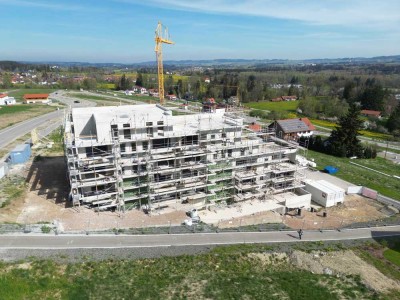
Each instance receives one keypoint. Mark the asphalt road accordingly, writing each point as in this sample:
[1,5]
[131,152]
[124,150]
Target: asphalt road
[9,134]
[12,133]
[42,241]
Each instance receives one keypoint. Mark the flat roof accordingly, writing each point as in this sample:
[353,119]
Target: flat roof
[324,186]
[20,147]
[99,119]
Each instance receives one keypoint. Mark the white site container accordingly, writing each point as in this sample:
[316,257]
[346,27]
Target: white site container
[3,169]
[325,193]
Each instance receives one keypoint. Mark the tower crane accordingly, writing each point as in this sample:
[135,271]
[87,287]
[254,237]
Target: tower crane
[162,36]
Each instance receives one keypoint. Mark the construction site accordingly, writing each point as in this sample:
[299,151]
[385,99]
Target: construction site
[154,166]
[142,156]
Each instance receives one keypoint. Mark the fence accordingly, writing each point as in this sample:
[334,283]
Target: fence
[388,201]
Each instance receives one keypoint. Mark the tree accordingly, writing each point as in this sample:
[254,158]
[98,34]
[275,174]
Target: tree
[393,123]
[89,83]
[251,83]
[139,79]
[373,96]
[343,140]
[124,83]
[7,81]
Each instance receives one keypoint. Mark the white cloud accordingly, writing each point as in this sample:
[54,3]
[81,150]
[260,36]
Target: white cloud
[40,4]
[380,14]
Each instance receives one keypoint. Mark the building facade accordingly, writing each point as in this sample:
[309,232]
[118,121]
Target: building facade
[142,156]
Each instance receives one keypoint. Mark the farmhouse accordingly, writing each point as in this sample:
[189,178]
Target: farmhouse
[292,129]
[36,98]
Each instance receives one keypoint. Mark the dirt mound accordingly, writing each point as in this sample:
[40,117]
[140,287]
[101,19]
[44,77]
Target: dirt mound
[343,263]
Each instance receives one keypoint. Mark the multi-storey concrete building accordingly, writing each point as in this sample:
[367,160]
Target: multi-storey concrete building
[144,156]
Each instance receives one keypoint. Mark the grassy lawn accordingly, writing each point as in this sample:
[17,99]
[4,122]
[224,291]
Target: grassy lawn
[393,254]
[17,113]
[4,110]
[11,187]
[289,106]
[388,186]
[227,274]
[19,94]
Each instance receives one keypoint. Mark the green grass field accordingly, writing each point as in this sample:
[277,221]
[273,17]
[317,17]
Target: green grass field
[289,106]
[393,254]
[12,109]
[224,273]
[19,94]
[388,186]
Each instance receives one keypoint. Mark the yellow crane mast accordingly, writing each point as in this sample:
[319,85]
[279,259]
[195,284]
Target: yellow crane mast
[162,36]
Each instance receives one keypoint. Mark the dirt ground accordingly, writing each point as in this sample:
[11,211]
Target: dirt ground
[45,201]
[336,263]
[355,209]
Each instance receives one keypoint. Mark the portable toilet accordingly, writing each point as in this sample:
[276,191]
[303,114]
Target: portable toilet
[20,154]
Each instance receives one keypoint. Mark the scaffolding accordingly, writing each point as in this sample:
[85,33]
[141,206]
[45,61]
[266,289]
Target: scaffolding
[148,165]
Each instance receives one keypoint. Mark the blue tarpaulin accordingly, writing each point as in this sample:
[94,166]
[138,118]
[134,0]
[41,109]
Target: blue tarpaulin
[331,169]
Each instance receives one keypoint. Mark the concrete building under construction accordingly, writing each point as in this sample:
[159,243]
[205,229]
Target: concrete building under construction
[143,156]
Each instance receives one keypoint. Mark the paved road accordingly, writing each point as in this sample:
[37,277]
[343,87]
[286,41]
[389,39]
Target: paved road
[28,241]
[12,133]
[391,145]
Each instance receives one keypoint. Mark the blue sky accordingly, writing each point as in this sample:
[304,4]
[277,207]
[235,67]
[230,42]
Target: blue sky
[123,30]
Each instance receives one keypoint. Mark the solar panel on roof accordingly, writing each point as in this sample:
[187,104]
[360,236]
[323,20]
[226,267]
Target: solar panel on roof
[293,125]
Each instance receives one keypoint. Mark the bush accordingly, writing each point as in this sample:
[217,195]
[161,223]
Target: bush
[45,229]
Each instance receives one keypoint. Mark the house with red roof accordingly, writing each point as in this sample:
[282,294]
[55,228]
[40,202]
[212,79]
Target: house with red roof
[36,98]
[371,113]
[6,100]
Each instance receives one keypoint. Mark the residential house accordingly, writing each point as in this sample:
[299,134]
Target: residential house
[171,97]
[292,129]
[289,98]
[371,113]
[284,98]
[255,127]
[139,90]
[207,80]
[6,100]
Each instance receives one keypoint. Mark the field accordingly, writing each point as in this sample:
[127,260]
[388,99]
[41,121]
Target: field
[388,186]
[107,86]
[235,272]
[289,106]
[11,115]
[364,133]
[19,94]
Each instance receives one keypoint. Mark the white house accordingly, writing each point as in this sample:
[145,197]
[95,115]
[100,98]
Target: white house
[139,90]
[6,100]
